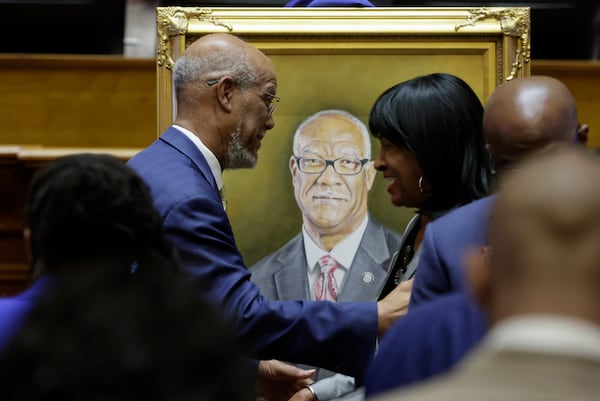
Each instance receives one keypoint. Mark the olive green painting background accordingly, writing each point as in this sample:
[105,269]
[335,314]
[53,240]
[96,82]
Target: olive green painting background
[260,202]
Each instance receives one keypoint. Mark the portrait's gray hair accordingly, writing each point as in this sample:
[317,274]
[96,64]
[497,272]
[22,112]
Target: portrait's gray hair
[334,112]
[213,65]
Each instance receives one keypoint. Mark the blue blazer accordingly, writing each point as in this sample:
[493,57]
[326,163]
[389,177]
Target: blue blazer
[428,341]
[14,310]
[316,333]
[440,268]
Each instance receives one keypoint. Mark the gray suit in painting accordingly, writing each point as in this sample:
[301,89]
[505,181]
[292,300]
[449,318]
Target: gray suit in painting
[283,274]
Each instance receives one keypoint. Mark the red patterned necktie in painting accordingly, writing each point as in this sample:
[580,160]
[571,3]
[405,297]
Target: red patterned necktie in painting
[326,287]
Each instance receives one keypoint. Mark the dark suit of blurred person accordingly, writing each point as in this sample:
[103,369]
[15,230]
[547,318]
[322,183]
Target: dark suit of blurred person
[539,282]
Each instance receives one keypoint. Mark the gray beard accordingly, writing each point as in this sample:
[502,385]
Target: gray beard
[237,156]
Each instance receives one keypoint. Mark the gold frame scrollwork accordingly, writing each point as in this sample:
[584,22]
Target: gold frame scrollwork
[515,23]
[339,58]
[500,35]
[172,22]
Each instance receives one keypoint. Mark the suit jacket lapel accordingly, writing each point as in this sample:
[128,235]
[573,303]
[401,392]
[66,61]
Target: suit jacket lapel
[368,272]
[179,141]
[291,281]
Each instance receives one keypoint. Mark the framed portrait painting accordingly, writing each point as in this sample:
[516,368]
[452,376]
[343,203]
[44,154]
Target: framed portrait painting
[337,58]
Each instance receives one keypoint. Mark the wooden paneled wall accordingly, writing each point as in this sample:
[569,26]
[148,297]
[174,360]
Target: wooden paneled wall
[104,101]
[110,101]
[54,106]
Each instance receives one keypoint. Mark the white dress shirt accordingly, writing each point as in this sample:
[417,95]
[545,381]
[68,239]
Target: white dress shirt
[343,253]
[213,163]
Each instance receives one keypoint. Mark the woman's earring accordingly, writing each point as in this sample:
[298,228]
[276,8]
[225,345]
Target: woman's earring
[421,185]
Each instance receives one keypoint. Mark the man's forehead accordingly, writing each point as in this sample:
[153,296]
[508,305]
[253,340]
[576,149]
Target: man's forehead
[263,65]
[332,128]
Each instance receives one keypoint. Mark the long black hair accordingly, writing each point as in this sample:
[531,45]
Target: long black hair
[438,118]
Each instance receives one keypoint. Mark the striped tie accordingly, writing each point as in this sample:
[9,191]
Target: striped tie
[326,287]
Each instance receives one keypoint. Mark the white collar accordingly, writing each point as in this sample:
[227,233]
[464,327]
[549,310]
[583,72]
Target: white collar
[343,252]
[211,159]
[548,334]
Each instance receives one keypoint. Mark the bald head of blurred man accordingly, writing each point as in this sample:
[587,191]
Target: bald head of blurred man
[545,231]
[528,114]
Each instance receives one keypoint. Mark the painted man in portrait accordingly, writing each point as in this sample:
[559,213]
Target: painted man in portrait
[341,252]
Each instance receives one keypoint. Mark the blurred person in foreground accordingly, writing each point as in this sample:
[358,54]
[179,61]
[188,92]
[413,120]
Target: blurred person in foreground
[92,216]
[112,336]
[86,213]
[539,282]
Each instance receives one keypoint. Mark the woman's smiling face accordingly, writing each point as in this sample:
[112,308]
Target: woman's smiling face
[403,172]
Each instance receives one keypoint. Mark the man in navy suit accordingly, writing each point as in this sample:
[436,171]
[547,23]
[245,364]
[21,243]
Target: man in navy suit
[225,92]
[521,117]
[332,173]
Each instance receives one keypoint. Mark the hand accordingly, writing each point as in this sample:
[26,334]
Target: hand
[278,381]
[303,394]
[393,306]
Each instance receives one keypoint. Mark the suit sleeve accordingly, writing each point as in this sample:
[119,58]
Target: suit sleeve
[425,343]
[431,278]
[315,333]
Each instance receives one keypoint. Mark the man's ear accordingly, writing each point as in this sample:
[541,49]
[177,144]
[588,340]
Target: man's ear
[582,134]
[370,174]
[478,272]
[224,89]
[293,167]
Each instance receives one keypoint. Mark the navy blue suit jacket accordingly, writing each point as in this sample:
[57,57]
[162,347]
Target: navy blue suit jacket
[339,337]
[428,341]
[440,268]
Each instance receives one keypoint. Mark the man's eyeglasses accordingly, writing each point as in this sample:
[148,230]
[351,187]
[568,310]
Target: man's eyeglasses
[271,101]
[342,166]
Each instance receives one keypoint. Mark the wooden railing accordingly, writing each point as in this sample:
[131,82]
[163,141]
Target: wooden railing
[70,101]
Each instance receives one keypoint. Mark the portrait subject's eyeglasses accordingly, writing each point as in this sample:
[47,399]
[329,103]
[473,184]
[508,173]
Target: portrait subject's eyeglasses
[342,165]
[270,100]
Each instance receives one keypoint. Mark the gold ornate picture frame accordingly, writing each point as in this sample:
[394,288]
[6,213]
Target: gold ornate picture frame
[339,58]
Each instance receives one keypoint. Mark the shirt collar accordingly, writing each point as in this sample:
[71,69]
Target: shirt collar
[548,334]
[343,252]
[211,159]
